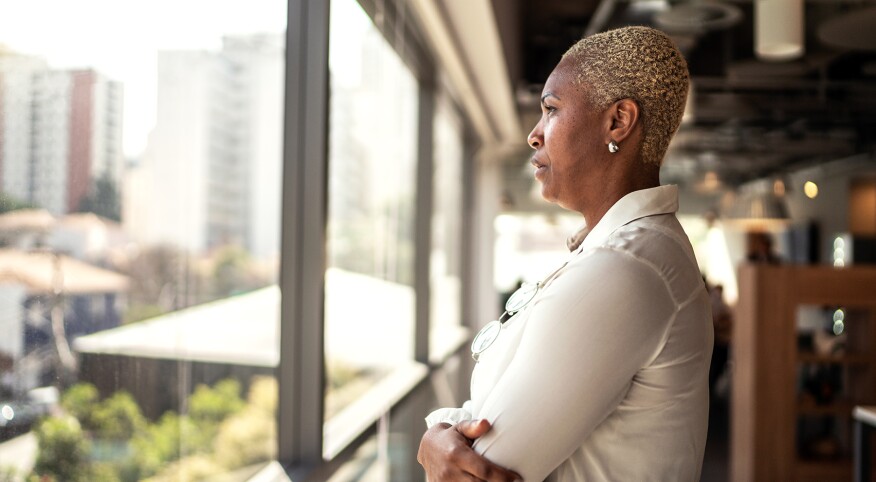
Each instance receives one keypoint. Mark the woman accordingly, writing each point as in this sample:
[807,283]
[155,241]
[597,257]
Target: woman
[603,374]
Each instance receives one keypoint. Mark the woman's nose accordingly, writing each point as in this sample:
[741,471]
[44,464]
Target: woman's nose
[535,139]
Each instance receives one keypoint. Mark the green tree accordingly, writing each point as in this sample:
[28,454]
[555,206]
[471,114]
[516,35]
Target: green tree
[160,443]
[9,203]
[118,417]
[192,468]
[212,405]
[63,450]
[208,407]
[249,436]
[103,200]
[186,438]
[231,271]
[8,474]
[156,278]
[80,400]
[140,311]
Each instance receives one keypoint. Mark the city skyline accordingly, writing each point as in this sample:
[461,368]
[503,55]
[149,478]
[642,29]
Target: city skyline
[126,49]
[60,133]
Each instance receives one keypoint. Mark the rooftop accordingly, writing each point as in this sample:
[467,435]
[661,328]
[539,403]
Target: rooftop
[37,271]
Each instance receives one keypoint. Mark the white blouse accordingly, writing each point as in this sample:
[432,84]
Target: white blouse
[604,375]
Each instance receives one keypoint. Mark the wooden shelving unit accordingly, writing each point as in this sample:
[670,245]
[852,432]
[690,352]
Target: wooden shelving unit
[862,360]
[770,409]
[839,407]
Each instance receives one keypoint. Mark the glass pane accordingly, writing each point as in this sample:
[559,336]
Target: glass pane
[446,262]
[528,248]
[390,454]
[369,307]
[140,167]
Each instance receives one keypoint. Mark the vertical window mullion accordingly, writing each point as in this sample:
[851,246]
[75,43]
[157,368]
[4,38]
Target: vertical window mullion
[470,252]
[302,276]
[423,237]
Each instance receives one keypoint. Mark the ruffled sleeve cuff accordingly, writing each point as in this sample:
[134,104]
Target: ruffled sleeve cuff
[450,415]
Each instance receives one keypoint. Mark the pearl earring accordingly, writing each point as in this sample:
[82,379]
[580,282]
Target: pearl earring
[613,147]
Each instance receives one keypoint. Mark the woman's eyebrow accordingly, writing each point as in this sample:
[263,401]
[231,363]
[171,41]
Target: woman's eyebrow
[548,94]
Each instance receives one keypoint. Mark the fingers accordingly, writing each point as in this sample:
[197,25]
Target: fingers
[478,466]
[472,429]
[446,454]
[475,464]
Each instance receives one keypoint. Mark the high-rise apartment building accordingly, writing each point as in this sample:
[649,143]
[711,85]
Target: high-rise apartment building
[211,172]
[60,131]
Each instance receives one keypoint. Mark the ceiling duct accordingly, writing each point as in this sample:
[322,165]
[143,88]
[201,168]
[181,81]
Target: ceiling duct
[698,18]
[778,29]
[855,30]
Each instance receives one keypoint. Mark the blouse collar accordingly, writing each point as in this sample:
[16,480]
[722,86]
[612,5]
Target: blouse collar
[633,206]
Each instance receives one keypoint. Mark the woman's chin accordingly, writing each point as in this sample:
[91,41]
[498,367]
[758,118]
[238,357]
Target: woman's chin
[547,195]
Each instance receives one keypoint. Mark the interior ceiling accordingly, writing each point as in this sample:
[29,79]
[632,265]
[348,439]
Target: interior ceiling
[751,118]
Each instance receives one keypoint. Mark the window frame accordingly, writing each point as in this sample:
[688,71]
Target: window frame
[301,371]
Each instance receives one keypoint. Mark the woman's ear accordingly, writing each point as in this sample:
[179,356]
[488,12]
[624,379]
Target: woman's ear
[624,117]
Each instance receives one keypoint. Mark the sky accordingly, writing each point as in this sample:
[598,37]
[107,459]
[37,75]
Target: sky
[121,38]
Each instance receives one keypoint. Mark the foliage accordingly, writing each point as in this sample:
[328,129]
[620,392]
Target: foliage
[232,271]
[212,405]
[165,278]
[103,200]
[9,203]
[177,437]
[264,394]
[191,468]
[249,436]
[208,407]
[118,417]
[160,443]
[156,277]
[80,400]
[339,374]
[220,432]
[246,438]
[141,311]
[63,451]
[8,474]
[104,472]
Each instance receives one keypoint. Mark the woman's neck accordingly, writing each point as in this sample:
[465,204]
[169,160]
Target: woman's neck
[615,188]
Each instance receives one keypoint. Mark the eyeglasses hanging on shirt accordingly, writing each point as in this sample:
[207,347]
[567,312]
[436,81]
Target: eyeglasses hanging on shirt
[490,332]
[522,297]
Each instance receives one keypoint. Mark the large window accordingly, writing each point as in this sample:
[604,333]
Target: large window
[369,292]
[144,175]
[139,237]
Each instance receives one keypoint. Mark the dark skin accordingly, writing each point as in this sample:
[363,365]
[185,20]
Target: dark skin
[578,172]
[573,162]
[446,454]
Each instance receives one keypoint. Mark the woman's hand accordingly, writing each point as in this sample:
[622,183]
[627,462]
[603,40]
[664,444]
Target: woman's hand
[446,454]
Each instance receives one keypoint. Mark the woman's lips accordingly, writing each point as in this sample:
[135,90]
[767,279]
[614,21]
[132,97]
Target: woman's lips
[540,172]
[540,169]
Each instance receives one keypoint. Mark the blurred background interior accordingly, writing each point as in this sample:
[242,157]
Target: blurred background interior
[252,240]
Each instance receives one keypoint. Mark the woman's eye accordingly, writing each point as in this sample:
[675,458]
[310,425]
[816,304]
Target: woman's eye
[549,109]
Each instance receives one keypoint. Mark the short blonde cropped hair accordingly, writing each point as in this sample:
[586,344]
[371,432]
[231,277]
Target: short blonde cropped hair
[638,63]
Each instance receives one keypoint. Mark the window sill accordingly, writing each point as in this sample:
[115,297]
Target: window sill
[351,422]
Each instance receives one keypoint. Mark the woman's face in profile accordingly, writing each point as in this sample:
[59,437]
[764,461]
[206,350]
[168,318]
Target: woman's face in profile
[566,140]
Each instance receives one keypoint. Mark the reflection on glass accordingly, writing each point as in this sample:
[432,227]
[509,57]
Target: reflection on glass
[446,262]
[369,304]
[139,238]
